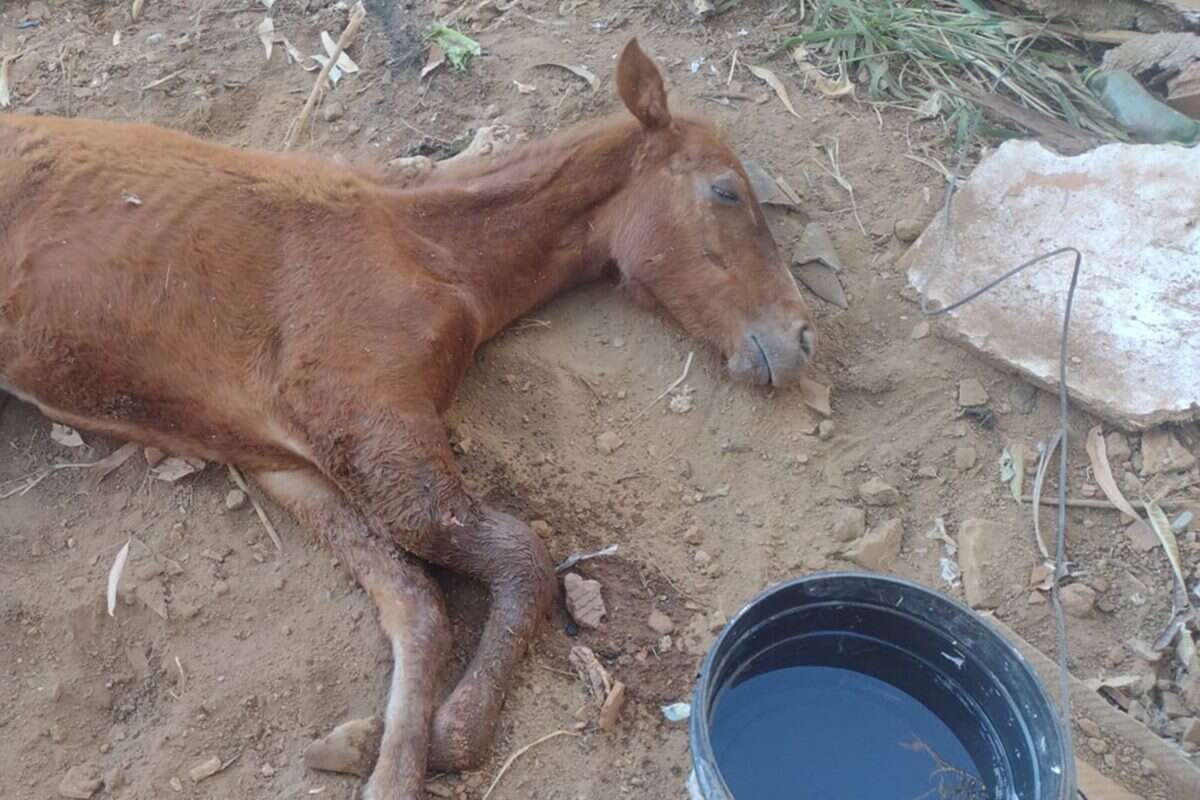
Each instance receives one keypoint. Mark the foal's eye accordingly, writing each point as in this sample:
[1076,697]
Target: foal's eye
[724,194]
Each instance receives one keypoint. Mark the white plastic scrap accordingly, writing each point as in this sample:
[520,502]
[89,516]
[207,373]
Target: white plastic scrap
[677,712]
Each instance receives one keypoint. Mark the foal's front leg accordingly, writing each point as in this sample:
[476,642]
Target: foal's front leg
[399,470]
[411,613]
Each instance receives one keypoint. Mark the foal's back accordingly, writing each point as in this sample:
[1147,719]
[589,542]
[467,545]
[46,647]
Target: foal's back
[157,283]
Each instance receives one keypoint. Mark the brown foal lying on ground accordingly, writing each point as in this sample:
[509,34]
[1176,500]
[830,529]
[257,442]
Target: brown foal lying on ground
[310,322]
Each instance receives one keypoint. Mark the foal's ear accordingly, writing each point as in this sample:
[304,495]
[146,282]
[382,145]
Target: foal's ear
[641,87]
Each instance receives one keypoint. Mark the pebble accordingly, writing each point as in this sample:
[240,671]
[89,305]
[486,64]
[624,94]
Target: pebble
[333,111]
[1162,452]
[1079,600]
[1023,398]
[1089,727]
[660,623]
[176,784]
[205,769]
[235,500]
[492,111]
[584,600]
[920,330]
[1116,447]
[80,782]
[1097,746]
[349,748]
[965,456]
[928,473]
[875,492]
[848,524]
[909,230]
[608,443]
[702,558]
[880,548]
[971,393]
[693,535]
[267,771]
[541,527]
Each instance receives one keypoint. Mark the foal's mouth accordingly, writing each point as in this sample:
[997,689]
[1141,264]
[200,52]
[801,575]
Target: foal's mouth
[766,362]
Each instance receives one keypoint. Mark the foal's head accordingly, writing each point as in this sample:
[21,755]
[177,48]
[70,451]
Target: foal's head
[693,238]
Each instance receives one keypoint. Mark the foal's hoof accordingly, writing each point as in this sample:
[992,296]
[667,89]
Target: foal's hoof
[461,737]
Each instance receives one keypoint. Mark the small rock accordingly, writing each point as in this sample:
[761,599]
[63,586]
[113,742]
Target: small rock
[848,524]
[235,500]
[1089,727]
[584,600]
[965,457]
[660,623]
[971,393]
[154,456]
[80,783]
[608,443]
[702,558]
[610,712]
[1147,767]
[333,111]
[492,111]
[692,535]
[928,473]
[880,548]
[349,748]
[920,330]
[1040,576]
[981,556]
[541,527]
[1079,600]
[877,493]
[1023,398]
[175,784]
[1097,746]
[1116,446]
[205,769]
[266,770]
[826,430]
[909,230]
[1173,706]
[1162,452]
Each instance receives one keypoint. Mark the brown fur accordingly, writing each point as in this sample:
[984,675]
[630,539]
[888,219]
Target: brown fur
[310,323]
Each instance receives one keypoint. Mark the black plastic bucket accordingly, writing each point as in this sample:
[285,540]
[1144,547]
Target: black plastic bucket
[901,636]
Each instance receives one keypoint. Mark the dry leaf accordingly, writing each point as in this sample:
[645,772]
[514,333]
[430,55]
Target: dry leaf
[525,88]
[335,74]
[1046,453]
[114,576]
[578,70]
[1166,537]
[772,80]
[815,396]
[266,35]
[106,466]
[174,468]
[136,10]
[1098,455]
[437,57]
[5,91]
[344,62]
[65,436]
[838,88]
[293,53]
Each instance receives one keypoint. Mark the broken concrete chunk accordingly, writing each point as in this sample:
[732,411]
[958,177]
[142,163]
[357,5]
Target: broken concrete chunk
[584,601]
[981,556]
[879,549]
[1134,374]
[878,493]
[1162,452]
[351,748]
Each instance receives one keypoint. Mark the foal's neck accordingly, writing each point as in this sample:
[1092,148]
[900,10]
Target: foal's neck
[539,220]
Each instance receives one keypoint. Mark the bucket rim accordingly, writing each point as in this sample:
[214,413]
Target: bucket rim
[704,762]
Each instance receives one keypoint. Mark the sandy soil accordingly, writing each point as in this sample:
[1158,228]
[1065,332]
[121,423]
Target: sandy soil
[224,647]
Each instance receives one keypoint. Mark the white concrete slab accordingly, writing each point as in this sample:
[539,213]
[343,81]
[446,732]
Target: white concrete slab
[1134,212]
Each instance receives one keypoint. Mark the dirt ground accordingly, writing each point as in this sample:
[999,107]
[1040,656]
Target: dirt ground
[224,647]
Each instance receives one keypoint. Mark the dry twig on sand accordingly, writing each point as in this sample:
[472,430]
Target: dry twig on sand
[508,763]
[356,18]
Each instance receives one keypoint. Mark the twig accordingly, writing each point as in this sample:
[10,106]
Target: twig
[520,753]
[182,678]
[590,388]
[258,509]
[686,366]
[25,484]
[356,18]
[576,558]
[162,80]
[833,151]
[1079,502]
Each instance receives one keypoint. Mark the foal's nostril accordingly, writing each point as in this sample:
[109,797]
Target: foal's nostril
[808,340]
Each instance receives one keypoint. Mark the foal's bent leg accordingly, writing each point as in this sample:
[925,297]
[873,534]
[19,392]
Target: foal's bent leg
[411,613]
[400,471]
